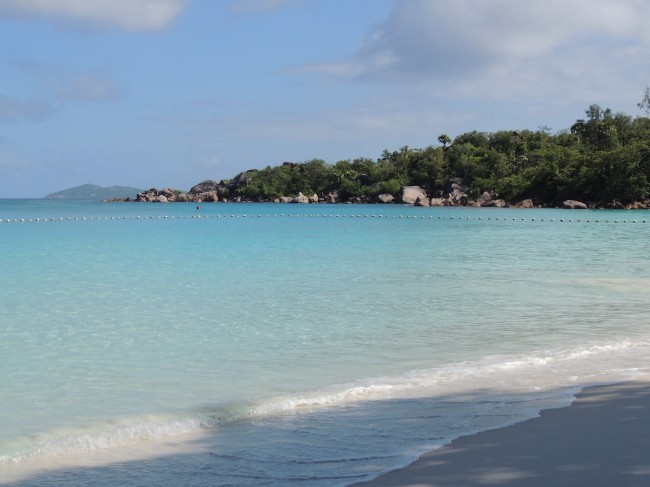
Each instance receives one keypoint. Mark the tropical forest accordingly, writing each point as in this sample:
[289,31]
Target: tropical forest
[602,159]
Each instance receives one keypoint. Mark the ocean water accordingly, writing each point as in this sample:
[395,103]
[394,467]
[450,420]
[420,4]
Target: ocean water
[298,345]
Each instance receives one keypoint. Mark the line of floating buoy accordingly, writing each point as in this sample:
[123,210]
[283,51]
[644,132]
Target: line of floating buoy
[305,215]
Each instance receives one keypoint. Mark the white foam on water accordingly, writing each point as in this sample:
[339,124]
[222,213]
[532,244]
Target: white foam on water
[542,380]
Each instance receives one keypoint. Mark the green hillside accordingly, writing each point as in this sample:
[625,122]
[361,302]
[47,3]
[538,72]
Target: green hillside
[94,192]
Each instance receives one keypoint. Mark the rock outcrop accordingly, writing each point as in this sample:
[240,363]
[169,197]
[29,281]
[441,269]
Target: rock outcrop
[574,205]
[455,194]
[301,198]
[438,202]
[385,198]
[422,201]
[410,194]
[206,186]
[498,203]
[525,204]
[154,195]
[484,198]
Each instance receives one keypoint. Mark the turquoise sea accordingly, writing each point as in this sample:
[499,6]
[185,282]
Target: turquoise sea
[298,345]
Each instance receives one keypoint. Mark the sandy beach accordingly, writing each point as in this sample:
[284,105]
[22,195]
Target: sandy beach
[602,439]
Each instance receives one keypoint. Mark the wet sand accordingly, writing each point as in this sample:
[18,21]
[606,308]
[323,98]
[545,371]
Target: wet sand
[602,439]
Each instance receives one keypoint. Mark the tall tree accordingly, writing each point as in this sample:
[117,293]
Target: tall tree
[645,103]
[444,139]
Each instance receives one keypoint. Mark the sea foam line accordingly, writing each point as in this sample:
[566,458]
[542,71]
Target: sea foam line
[559,372]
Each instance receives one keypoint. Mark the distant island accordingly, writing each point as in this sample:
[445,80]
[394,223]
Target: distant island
[94,192]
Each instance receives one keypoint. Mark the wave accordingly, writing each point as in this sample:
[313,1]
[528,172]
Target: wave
[560,372]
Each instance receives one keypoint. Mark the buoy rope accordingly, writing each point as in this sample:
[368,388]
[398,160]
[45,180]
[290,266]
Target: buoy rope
[311,215]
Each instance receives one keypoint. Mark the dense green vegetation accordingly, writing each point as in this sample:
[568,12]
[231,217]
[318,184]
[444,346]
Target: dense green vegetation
[601,159]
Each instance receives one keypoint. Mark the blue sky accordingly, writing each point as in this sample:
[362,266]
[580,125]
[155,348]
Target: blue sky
[167,93]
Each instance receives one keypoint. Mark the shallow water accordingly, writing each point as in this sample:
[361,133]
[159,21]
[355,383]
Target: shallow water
[308,345]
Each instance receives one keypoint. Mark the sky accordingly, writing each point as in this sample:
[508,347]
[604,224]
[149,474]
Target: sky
[168,93]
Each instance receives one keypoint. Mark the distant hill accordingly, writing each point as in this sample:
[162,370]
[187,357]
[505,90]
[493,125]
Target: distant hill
[94,192]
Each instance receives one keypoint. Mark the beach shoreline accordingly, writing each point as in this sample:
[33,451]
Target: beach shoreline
[602,438]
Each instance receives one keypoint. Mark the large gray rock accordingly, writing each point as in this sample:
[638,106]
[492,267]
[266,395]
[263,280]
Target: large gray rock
[495,204]
[332,197]
[422,201]
[204,187]
[574,205]
[242,179]
[484,198]
[525,204]
[301,198]
[211,196]
[460,199]
[208,197]
[410,194]
[150,196]
[438,202]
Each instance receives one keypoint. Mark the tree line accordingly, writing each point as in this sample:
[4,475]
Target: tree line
[603,158]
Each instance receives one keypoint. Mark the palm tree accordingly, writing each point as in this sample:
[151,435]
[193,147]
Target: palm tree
[444,139]
[645,103]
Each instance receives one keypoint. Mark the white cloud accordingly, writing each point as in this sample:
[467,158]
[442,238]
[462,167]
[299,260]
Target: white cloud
[134,15]
[503,47]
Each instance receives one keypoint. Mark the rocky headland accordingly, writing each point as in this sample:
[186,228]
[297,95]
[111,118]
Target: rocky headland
[211,191]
